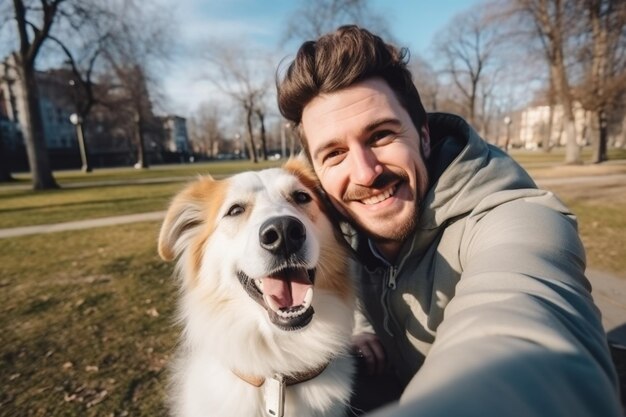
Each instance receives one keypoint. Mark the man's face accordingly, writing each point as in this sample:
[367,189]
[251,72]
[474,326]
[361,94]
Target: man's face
[366,153]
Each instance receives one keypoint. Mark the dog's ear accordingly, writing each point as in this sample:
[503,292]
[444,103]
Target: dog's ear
[187,212]
[300,166]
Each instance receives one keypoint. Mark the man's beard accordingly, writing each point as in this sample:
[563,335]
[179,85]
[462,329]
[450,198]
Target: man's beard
[398,234]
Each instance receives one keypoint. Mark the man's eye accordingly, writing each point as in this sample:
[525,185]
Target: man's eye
[235,210]
[382,137]
[332,157]
[301,197]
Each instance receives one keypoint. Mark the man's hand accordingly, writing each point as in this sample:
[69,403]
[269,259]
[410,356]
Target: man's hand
[368,347]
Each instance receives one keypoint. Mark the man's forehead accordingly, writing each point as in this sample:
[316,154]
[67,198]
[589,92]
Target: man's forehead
[350,101]
[329,117]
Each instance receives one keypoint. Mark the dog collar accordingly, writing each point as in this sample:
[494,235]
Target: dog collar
[274,387]
[293,379]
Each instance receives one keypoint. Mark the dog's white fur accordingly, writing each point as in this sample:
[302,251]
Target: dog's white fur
[225,330]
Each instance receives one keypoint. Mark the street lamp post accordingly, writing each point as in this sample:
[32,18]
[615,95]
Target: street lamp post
[77,121]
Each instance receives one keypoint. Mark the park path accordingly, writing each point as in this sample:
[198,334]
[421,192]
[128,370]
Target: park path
[609,290]
[80,224]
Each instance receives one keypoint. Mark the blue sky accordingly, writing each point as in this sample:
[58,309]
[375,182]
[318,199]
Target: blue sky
[414,24]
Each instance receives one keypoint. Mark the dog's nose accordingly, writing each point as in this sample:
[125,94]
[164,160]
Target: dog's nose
[282,235]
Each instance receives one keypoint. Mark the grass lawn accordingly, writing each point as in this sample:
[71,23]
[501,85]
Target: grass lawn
[601,212]
[87,323]
[26,207]
[87,317]
[99,194]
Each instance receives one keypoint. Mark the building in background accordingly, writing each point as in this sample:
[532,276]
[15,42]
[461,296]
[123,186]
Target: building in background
[535,126]
[109,130]
[176,139]
[54,101]
[10,131]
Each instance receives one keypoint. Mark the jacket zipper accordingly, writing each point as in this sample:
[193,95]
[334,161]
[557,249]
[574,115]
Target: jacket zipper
[390,285]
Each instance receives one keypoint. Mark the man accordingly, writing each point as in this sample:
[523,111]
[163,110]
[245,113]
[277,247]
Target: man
[472,279]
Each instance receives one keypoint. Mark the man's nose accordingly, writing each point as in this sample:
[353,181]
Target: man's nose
[365,167]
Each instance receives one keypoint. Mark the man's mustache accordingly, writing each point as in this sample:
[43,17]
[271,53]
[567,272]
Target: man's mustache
[359,192]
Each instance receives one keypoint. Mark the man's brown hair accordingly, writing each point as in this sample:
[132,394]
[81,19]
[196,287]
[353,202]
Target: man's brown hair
[340,59]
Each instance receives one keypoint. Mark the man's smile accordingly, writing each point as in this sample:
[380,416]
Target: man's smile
[379,197]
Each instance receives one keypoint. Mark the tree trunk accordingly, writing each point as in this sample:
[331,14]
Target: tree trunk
[142,162]
[547,140]
[600,142]
[598,74]
[251,147]
[472,107]
[261,117]
[572,151]
[36,150]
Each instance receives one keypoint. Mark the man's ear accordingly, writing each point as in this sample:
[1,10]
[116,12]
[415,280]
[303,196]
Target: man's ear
[425,141]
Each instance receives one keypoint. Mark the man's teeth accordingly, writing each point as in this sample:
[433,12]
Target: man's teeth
[379,197]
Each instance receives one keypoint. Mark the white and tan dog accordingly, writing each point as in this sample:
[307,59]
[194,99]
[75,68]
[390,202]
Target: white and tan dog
[266,299]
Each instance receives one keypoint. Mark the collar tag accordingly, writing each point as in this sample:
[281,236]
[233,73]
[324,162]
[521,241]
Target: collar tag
[274,392]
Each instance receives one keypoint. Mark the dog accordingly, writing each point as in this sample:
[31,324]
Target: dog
[266,298]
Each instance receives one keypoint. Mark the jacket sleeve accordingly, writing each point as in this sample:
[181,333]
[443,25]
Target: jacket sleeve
[521,336]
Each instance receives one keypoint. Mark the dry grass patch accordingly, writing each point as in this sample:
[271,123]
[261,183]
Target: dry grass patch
[86,323]
[26,208]
[601,212]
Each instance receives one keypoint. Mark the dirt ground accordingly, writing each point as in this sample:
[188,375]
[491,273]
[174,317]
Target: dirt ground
[562,179]
[610,190]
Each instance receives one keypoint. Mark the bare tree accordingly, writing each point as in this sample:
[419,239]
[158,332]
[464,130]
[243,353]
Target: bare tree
[205,129]
[244,77]
[547,142]
[427,82]
[314,18]
[140,40]
[82,41]
[552,19]
[469,46]
[604,55]
[32,36]
[82,31]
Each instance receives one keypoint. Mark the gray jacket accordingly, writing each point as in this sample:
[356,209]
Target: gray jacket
[487,311]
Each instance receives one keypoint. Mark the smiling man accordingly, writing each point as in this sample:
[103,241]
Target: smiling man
[366,151]
[472,283]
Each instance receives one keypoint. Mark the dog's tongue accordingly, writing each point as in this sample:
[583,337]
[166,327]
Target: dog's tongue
[287,289]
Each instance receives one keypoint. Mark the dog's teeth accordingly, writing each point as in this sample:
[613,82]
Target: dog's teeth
[308,297]
[297,311]
[272,304]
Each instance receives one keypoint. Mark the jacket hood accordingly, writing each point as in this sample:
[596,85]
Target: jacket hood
[463,169]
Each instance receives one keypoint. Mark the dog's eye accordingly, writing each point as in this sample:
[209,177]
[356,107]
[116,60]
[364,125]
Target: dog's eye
[235,210]
[301,197]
